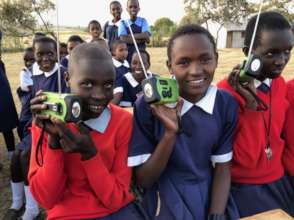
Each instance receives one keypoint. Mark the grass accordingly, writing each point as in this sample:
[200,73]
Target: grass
[14,63]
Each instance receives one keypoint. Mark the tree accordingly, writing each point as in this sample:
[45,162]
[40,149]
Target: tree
[220,11]
[285,7]
[162,28]
[19,17]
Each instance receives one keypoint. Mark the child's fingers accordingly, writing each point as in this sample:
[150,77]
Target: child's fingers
[180,103]
[83,129]
[62,129]
[65,146]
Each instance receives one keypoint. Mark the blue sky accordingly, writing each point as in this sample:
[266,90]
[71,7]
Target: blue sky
[80,12]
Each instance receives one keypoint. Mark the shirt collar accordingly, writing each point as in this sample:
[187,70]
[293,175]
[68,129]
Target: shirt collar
[101,123]
[110,22]
[267,82]
[37,71]
[131,80]
[118,64]
[206,103]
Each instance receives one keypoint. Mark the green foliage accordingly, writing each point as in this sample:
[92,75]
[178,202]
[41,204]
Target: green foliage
[162,29]
[285,7]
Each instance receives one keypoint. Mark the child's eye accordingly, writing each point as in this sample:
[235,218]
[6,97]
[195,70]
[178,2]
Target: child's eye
[108,85]
[183,62]
[87,84]
[269,54]
[287,52]
[206,60]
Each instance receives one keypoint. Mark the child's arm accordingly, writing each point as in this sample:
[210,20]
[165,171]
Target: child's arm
[143,37]
[221,157]
[47,182]
[150,171]
[110,185]
[220,188]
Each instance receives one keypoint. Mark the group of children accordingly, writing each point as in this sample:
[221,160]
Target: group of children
[217,155]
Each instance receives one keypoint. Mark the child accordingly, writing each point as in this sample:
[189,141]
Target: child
[119,53]
[95,31]
[44,77]
[174,149]
[8,114]
[288,154]
[259,180]
[63,50]
[24,91]
[139,27]
[88,161]
[72,42]
[110,29]
[128,87]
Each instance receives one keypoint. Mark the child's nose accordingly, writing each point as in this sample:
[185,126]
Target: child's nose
[98,93]
[281,59]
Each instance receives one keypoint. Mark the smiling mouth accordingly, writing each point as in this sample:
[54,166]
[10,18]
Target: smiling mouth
[96,108]
[198,82]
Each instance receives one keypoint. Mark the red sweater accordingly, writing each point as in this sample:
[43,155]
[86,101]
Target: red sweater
[288,156]
[250,164]
[73,189]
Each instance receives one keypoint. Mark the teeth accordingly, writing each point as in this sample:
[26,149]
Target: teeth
[197,81]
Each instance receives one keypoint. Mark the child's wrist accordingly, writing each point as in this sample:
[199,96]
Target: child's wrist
[53,142]
[92,152]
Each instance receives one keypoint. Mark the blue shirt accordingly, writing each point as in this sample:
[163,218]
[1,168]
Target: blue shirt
[110,32]
[208,129]
[130,88]
[140,22]
[120,69]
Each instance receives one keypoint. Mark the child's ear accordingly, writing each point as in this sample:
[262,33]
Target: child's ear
[216,58]
[168,65]
[67,78]
[245,50]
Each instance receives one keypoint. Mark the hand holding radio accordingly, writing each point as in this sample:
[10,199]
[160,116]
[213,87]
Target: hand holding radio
[168,116]
[80,142]
[243,89]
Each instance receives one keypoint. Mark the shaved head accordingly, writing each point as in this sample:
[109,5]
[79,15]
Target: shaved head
[92,54]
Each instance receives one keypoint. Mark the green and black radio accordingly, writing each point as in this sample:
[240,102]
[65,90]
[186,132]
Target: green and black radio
[66,107]
[160,90]
[251,68]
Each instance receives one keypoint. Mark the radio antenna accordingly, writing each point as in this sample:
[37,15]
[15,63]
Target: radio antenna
[137,49]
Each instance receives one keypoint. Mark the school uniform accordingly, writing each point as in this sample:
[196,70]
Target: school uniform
[97,188]
[46,81]
[184,188]
[288,155]
[8,114]
[110,32]
[64,62]
[130,88]
[24,95]
[140,25]
[259,182]
[120,68]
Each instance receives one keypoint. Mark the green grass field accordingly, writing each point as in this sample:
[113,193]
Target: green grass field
[14,63]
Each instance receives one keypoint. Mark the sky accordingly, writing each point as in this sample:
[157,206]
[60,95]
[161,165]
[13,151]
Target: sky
[80,12]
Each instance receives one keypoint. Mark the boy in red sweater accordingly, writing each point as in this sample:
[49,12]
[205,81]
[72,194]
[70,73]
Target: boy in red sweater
[259,181]
[84,174]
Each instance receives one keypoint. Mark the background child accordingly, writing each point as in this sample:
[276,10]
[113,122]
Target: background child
[72,42]
[24,91]
[259,181]
[95,31]
[128,87]
[8,114]
[119,53]
[110,30]
[87,153]
[139,27]
[173,148]
[45,77]
[63,50]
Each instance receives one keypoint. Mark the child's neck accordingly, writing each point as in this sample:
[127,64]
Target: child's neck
[133,18]
[115,19]
[119,60]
